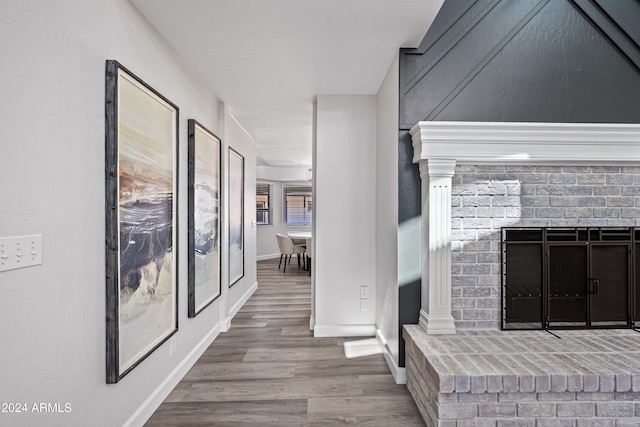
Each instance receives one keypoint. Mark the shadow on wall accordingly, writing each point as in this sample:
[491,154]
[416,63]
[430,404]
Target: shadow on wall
[409,276]
[409,251]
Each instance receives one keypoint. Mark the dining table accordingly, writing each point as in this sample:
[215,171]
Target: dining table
[300,235]
[301,238]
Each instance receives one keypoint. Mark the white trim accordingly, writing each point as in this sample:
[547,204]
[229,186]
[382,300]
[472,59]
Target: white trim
[399,374]
[226,325]
[238,305]
[527,143]
[268,256]
[151,404]
[312,323]
[438,324]
[344,330]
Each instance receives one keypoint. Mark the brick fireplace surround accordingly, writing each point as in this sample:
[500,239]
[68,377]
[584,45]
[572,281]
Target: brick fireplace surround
[476,178]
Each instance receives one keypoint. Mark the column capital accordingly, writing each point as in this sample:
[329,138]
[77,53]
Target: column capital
[437,167]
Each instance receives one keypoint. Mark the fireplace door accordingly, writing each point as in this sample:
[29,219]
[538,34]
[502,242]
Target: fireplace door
[588,285]
[522,269]
[570,278]
[567,279]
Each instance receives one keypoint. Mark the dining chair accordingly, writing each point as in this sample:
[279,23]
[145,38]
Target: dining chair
[308,254]
[287,248]
[298,241]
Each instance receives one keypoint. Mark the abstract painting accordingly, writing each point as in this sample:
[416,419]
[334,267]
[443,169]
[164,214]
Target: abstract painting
[204,217]
[141,220]
[236,216]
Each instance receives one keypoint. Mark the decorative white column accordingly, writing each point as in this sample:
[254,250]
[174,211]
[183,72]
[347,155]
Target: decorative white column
[435,314]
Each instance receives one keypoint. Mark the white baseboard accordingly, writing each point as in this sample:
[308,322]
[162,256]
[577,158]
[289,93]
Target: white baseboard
[344,330]
[268,256]
[399,374]
[226,324]
[312,323]
[238,305]
[149,406]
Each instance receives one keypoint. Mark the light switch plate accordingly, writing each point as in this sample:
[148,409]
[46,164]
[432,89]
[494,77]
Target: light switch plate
[20,251]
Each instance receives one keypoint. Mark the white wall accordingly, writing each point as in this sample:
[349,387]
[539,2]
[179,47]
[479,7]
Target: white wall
[52,85]
[344,220]
[387,216]
[267,246]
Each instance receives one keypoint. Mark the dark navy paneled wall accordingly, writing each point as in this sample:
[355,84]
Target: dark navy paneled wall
[575,61]
[526,60]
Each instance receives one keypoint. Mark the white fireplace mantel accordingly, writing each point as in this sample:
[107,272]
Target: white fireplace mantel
[439,146]
[527,143]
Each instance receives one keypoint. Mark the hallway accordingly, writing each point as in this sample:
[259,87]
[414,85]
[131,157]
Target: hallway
[268,370]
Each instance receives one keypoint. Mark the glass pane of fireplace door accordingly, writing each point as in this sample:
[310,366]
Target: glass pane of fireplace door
[523,286]
[609,290]
[567,272]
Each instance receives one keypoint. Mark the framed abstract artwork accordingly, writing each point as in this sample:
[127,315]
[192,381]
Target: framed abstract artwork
[204,217]
[141,151]
[236,216]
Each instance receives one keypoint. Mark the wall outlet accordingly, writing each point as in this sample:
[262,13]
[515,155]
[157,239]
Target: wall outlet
[364,304]
[364,291]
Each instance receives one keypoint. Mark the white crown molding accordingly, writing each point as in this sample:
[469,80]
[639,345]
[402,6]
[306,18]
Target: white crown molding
[527,143]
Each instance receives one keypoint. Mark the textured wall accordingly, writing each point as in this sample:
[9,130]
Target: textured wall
[523,60]
[485,198]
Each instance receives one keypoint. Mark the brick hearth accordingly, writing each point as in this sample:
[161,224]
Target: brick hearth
[516,378]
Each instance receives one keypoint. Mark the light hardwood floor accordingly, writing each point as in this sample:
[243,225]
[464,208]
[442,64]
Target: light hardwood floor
[269,370]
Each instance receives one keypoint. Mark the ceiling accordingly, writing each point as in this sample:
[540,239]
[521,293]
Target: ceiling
[269,59]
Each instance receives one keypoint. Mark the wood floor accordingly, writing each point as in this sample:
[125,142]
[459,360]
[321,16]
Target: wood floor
[269,370]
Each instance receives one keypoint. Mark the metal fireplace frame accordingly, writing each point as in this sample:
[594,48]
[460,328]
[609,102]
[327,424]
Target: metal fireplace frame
[521,311]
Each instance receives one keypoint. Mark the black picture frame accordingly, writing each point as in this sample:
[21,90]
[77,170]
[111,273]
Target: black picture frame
[141,185]
[204,223]
[236,216]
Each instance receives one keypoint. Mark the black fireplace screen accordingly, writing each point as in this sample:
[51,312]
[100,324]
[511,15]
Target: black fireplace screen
[567,278]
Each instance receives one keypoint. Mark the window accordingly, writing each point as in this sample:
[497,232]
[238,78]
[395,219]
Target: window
[263,204]
[297,205]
